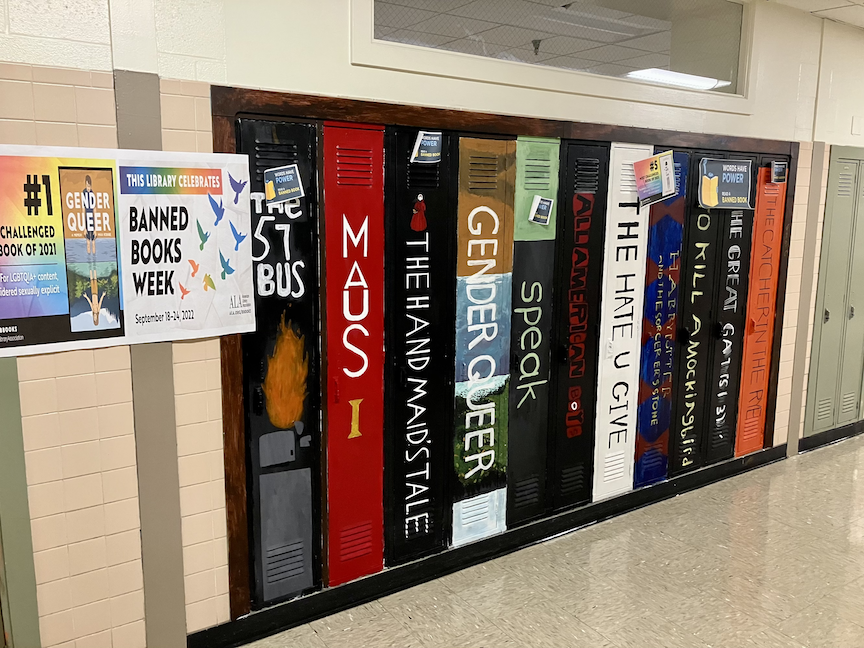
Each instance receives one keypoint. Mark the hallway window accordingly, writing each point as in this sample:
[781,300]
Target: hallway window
[682,43]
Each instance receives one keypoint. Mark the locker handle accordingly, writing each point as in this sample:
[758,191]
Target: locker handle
[684,334]
[851,312]
[826,316]
[336,390]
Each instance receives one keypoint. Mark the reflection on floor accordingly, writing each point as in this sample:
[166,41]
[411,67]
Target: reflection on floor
[770,559]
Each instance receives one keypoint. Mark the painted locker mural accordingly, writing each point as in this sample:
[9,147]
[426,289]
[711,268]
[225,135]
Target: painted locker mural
[533,274]
[281,367]
[728,330]
[620,325]
[420,201]
[584,177]
[354,263]
[834,391]
[696,293]
[761,307]
[662,276]
[484,263]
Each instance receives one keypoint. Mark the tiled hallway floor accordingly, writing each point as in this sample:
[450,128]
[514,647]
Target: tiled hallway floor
[772,558]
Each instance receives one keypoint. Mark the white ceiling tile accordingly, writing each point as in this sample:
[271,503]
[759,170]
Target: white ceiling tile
[391,15]
[410,37]
[660,42]
[474,46]
[813,5]
[506,12]
[645,61]
[440,6]
[853,15]
[513,36]
[381,31]
[454,26]
[610,53]
[562,45]
[525,55]
[570,63]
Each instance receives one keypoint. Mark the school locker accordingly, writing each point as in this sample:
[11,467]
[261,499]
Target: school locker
[852,366]
[281,367]
[728,330]
[620,335]
[420,207]
[533,273]
[761,306]
[662,276]
[354,264]
[836,364]
[696,292]
[484,263]
[584,185]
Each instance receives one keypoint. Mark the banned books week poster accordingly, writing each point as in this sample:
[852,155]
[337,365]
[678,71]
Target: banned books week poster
[101,247]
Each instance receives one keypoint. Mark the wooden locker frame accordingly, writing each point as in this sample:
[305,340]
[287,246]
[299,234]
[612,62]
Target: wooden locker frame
[228,103]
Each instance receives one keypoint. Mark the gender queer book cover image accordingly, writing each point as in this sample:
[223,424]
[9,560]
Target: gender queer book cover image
[87,197]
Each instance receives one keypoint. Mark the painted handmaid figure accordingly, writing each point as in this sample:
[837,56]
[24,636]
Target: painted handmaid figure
[418,220]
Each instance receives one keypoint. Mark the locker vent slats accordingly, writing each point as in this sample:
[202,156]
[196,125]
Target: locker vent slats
[773,189]
[526,492]
[614,465]
[751,428]
[845,185]
[652,461]
[284,562]
[848,402]
[572,479]
[628,178]
[423,176]
[587,177]
[355,541]
[824,410]
[718,440]
[677,176]
[353,166]
[477,511]
[483,172]
[538,174]
[269,155]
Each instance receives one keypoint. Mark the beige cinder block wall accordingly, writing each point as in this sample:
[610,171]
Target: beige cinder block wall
[793,287]
[187,126]
[77,413]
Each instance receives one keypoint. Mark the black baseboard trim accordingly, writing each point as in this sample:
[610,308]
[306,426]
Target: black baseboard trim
[830,436]
[287,615]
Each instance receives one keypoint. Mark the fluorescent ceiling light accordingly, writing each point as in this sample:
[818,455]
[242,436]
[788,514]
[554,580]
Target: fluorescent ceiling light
[668,77]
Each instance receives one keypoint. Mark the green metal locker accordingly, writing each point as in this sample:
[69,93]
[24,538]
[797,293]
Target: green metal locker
[852,359]
[837,356]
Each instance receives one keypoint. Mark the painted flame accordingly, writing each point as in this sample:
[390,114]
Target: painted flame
[285,384]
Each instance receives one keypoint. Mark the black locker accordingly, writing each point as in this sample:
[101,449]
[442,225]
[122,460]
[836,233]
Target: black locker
[420,211]
[579,265]
[281,368]
[730,314]
[695,336]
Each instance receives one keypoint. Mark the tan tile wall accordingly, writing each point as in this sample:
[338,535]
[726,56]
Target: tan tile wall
[198,408]
[56,107]
[811,303]
[187,126]
[77,413]
[82,481]
[186,121]
[793,289]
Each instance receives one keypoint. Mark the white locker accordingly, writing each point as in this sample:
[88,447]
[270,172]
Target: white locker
[620,325]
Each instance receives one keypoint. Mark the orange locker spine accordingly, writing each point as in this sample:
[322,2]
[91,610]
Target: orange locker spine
[761,310]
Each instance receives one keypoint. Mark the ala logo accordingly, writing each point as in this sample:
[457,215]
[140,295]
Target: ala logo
[234,301]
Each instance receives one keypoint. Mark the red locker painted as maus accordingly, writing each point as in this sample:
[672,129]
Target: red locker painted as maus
[354,263]
[761,310]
